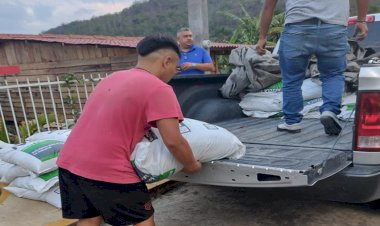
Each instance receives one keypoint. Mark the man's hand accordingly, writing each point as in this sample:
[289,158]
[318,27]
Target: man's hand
[260,46]
[186,65]
[177,144]
[361,31]
[194,168]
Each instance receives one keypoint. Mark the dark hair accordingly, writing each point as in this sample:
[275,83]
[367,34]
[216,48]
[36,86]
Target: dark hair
[152,43]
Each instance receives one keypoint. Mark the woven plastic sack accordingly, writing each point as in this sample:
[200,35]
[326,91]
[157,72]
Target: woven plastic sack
[153,161]
[52,196]
[38,156]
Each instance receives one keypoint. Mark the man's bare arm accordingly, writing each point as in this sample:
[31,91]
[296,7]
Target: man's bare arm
[199,66]
[177,145]
[265,21]
[361,30]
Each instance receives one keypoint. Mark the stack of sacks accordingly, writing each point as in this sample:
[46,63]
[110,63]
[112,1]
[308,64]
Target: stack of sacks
[8,171]
[153,161]
[31,170]
[54,135]
[268,102]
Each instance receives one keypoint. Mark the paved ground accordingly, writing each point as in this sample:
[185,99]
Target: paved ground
[198,205]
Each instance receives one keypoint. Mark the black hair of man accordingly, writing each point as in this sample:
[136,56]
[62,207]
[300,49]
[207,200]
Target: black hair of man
[152,43]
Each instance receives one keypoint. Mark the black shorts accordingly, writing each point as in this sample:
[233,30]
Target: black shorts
[118,204]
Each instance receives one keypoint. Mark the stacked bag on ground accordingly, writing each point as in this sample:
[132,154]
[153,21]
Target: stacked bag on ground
[30,169]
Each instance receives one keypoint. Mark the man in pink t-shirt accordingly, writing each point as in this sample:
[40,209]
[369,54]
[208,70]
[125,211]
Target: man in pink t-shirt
[97,180]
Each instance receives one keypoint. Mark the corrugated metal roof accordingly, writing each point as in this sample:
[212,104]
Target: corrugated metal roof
[95,40]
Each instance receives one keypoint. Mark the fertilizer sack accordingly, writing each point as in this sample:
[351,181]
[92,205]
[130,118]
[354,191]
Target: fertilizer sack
[52,196]
[153,161]
[38,156]
[9,172]
[54,135]
[39,184]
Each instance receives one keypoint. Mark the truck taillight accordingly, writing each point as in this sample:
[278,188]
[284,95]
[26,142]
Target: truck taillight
[368,122]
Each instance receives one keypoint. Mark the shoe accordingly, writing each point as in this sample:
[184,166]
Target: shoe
[331,123]
[293,128]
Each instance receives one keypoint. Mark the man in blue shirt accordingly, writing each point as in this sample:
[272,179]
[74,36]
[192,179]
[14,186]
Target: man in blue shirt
[194,59]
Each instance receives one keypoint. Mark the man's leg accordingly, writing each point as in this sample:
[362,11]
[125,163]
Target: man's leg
[95,221]
[147,222]
[294,55]
[331,65]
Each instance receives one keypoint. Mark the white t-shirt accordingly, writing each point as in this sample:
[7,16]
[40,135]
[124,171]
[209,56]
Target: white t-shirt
[329,11]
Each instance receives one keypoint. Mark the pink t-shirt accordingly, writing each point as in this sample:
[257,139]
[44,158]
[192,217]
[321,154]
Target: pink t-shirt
[115,118]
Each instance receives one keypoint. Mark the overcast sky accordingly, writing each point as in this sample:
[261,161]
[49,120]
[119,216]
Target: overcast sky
[36,16]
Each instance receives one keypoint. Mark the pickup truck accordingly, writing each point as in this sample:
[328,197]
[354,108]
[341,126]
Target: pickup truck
[341,168]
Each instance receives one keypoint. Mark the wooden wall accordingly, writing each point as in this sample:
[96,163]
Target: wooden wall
[42,60]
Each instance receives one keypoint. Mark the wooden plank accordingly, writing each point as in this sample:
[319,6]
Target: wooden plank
[67,63]
[124,59]
[36,51]
[122,66]
[86,54]
[80,53]
[98,52]
[19,51]
[104,51]
[10,53]
[47,52]
[3,57]
[29,48]
[74,69]
[91,51]
[111,52]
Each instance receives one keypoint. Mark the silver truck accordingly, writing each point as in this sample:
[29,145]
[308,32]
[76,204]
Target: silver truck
[341,168]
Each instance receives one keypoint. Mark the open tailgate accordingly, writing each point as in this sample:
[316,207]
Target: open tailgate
[277,159]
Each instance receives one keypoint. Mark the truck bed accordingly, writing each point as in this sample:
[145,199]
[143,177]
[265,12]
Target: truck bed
[278,159]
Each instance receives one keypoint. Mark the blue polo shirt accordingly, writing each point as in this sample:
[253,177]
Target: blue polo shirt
[196,54]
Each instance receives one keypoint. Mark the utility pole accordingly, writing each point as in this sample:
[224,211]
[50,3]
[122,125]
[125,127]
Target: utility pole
[198,20]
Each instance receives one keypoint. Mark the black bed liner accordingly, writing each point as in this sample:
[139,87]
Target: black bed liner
[278,159]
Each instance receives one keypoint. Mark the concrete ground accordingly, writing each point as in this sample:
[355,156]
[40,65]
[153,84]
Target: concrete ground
[199,205]
[179,204]
[25,212]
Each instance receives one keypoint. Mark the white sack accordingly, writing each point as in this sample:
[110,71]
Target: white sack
[38,184]
[54,135]
[153,161]
[311,108]
[348,107]
[38,156]
[53,196]
[4,145]
[268,102]
[4,166]
[262,101]
[8,172]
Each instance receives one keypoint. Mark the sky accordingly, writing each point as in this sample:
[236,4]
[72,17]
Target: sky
[36,16]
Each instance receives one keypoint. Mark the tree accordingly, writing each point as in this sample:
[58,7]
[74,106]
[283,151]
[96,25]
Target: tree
[248,28]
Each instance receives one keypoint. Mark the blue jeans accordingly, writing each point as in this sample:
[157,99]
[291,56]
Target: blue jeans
[328,43]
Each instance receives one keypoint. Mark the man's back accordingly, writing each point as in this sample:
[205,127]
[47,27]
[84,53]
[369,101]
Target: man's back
[333,12]
[114,119]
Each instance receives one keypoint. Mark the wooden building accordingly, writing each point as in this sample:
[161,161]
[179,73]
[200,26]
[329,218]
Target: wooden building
[55,55]
[51,57]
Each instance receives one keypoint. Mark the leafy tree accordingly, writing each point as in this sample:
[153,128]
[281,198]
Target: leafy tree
[248,28]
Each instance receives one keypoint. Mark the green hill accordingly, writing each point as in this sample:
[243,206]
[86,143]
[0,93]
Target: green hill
[167,16]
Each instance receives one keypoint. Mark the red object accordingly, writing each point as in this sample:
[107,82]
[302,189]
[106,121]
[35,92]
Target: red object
[352,20]
[368,122]
[9,70]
